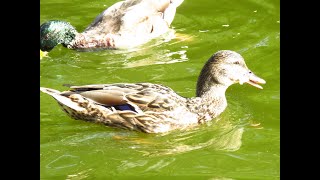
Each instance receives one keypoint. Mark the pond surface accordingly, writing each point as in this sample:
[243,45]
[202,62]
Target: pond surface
[243,143]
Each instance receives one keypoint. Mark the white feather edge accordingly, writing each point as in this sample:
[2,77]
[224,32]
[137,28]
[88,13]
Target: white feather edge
[63,100]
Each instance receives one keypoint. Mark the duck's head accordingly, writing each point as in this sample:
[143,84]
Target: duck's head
[56,32]
[225,68]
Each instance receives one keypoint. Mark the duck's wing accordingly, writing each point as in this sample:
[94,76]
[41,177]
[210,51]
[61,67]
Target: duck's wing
[108,21]
[135,17]
[119,105]
[140,97]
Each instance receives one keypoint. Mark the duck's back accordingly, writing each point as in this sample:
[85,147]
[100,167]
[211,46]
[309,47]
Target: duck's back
[132,17]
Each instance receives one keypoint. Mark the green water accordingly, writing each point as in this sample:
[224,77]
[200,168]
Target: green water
[243,144]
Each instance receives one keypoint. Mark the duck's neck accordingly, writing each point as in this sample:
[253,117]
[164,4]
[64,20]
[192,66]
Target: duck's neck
[85,41]
[210,103]
[214,93]
[211,100]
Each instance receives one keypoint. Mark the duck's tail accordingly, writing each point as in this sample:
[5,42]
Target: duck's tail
[62,100]
[49,91]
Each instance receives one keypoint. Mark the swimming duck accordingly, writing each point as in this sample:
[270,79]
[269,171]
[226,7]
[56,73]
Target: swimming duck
[154,108]
[125,24]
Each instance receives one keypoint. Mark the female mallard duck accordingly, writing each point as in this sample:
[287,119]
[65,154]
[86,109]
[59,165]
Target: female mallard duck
[153,108]
[125,24]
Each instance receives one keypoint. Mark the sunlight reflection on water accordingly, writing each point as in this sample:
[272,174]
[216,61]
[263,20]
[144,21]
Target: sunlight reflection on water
[223,136]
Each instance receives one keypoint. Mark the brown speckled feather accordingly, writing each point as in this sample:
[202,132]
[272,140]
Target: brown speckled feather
[147,96]
[152,105]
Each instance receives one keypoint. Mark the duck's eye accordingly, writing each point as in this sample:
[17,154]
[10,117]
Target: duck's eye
[236,62]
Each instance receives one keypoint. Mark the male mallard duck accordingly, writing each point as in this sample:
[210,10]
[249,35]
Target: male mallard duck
[125,24]
[153,108]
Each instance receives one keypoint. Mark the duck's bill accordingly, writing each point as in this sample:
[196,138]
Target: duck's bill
[255,81]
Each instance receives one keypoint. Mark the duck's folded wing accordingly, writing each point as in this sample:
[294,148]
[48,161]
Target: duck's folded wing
[150,10]
[104,94]
[127,14]
[142,96]
[106,22]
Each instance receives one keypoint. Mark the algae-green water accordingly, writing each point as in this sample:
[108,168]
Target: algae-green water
[242,143]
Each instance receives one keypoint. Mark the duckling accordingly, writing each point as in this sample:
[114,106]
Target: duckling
[154,108]
[126,24]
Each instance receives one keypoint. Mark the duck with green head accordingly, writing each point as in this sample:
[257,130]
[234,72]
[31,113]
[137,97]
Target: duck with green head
[154,108]
[125,24]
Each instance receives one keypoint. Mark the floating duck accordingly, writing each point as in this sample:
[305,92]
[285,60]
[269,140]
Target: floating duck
[154,108]
[125,24]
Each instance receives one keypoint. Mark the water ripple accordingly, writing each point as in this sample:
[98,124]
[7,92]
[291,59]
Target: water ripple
[64,161]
